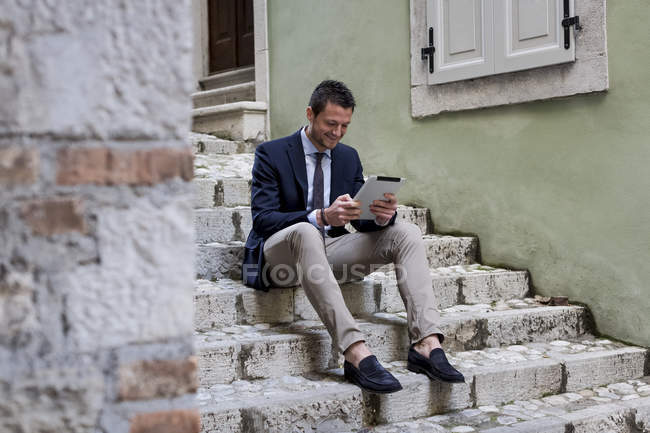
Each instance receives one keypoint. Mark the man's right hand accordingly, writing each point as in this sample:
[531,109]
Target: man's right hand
[342,211]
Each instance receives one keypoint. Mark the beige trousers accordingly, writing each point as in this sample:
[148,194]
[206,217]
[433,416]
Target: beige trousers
[296,254]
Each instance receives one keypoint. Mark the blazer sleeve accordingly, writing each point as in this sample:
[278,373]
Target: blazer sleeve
[265,198]
[365,225]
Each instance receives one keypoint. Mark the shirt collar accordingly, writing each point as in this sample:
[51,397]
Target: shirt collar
[309,147]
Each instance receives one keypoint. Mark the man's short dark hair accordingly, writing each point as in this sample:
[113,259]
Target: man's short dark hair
[331,91]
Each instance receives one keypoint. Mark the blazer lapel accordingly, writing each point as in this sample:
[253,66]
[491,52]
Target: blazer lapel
[336,180]
[297,159]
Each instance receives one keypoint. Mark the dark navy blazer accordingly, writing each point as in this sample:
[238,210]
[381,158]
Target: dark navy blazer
[279,196]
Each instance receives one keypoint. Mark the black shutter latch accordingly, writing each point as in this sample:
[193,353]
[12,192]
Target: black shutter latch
[428,51]
[568,22]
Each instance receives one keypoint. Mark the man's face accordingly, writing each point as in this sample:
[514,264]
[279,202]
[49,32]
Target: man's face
[331,124]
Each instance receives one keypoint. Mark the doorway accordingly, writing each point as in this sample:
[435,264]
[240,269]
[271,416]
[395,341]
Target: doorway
[231,35]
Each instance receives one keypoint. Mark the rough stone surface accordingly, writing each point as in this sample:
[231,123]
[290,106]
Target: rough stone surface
[591,369]
[173,421]
[215,302]
[244,120]
[157,379]
[589,73]
[96,263]
[18,166]
[286,355]
[224,95]
[222,224]
[450,250]
[496,385]
[204,192]
[96,69]
[423,406]
[549,323]
[52,400]
[150,295]
[285,404]
[465,284]
[421,397]
[51,217]
[219,362]
[275,306]
[579,413]
[264,351]
[605,419]
[221,420]
[223,260]
[216,260]
[421,217]
[214,306]
[225,224]
[103,166]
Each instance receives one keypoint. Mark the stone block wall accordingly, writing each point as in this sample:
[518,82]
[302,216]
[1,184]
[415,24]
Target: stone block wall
[96,242]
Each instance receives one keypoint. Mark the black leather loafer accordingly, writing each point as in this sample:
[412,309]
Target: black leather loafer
[435,366]
[371,376]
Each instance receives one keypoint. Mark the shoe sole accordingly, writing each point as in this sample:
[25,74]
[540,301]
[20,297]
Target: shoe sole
[420,370]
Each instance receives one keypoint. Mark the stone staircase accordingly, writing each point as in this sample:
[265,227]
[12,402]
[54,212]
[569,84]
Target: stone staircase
[266,362]
[227,107]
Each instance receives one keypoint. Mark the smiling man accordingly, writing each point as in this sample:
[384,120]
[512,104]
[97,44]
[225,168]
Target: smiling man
[301,201]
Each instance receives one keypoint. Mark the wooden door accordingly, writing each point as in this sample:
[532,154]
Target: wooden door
[231,34]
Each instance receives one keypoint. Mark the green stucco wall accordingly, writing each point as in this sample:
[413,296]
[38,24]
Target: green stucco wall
[561,187]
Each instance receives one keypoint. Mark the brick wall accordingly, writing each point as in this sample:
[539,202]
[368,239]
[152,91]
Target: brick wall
[96,242]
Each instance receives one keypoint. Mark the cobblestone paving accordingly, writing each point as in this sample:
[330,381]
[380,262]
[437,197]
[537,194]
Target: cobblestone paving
[484,417]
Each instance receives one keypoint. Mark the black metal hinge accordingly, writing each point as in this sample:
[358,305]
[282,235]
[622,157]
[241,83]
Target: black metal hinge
[568,22]
[428,51]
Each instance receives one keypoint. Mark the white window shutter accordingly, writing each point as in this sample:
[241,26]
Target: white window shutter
[529,34]
[463,39]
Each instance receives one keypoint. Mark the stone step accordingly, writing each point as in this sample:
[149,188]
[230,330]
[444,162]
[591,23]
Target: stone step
[227,302]
[625,410]
[264,351]
[328,403]
[222,180]
[223,260]
[228,78]
[224,95]
[211,145]
[243,120]
[225,224]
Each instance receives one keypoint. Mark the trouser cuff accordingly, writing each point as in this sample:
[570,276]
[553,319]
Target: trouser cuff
[349,339]
[429,332]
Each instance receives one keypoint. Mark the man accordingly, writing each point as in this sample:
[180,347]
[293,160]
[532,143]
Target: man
[301,201]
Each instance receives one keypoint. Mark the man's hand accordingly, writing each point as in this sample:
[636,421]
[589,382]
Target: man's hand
[342,211]
[384,209]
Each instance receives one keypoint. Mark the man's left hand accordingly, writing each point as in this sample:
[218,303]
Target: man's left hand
[384,209]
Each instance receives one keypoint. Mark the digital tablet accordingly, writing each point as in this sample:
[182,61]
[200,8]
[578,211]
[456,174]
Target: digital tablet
[374,189]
